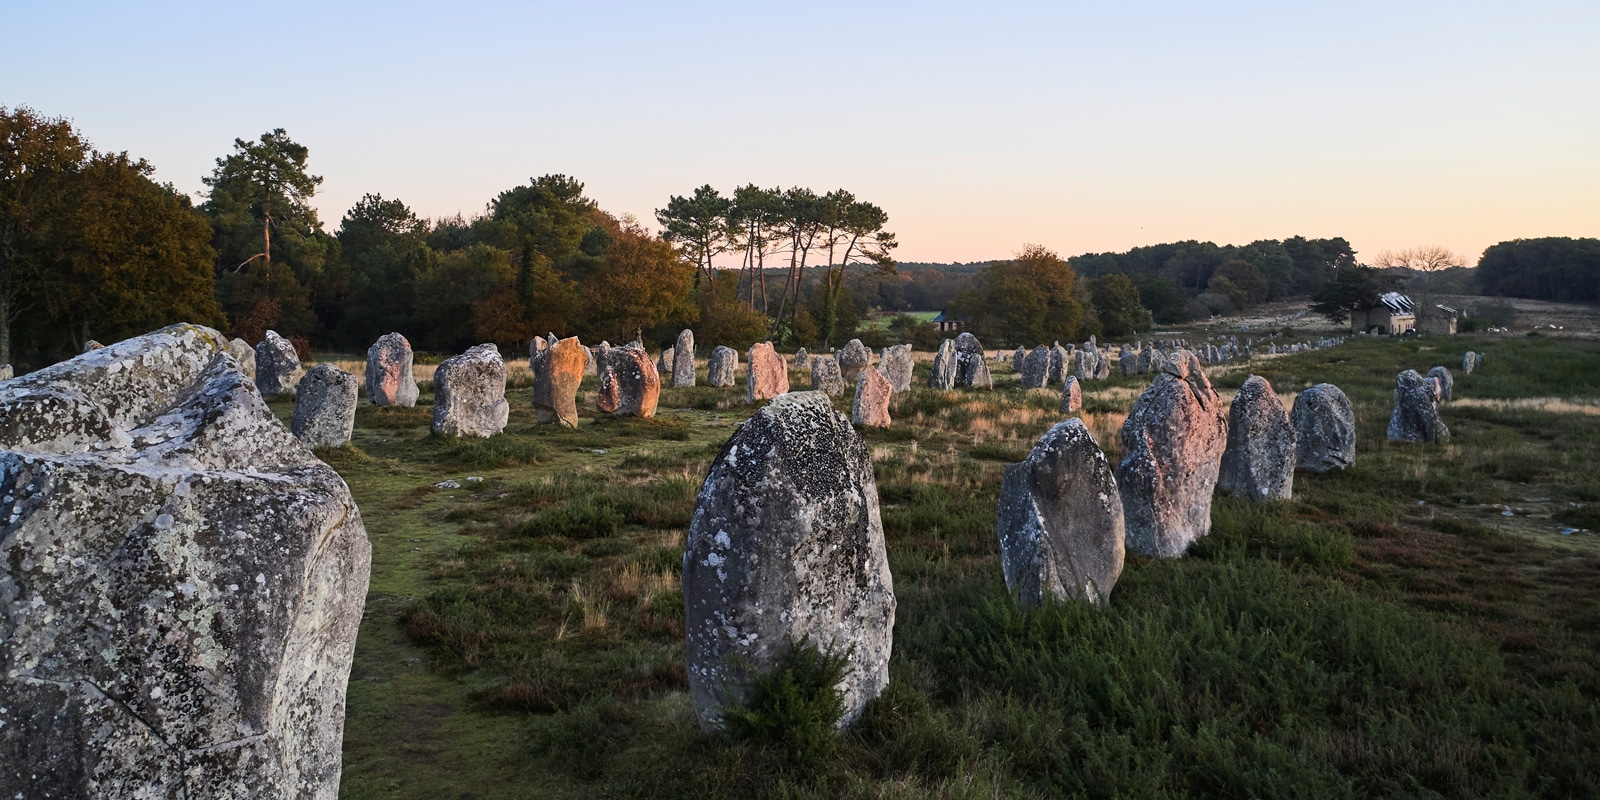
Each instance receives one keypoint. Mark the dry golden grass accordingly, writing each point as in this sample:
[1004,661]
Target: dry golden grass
[1552,405]
[516,370]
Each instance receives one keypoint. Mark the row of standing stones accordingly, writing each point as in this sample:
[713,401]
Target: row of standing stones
[184,578]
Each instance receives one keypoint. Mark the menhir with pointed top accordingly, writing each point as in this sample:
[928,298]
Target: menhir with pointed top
[1172,443]
[1258,463]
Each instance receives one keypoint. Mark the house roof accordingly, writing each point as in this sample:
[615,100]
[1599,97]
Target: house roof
[943,317]
[1397,302]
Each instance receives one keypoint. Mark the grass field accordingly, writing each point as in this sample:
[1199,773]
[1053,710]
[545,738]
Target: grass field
[880,321]
[1390,632]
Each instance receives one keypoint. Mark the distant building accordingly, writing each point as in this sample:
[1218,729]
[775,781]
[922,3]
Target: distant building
[1439,320]
[948,323]
[1393,315]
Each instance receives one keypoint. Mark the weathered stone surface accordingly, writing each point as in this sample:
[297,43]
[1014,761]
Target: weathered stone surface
[664,363]
[7,372]
[389,380]
[1036,368]
[469,393]
[1446,381]
[786,544]
[1469,362]
[802,360]
[325,407]
[1071,396]
[1172,444]
[91,346]
[277,366]
[1060,365]
[1018,357]
[1258,463]
[1416,411]
[767,376]
[873,391]
[1325,429]
[591,367]
[1102,366]
[629,383]
[683,359]
[182,586]
[1061,521]
[943,375]
[1128,361]
[897,365]
[971,369]
[245,355]
[853,358]
[722,367]
[826,377]
[556,377]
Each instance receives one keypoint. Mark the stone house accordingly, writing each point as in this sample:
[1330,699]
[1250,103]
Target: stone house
[948,323]
[1393,315]
[1438,319]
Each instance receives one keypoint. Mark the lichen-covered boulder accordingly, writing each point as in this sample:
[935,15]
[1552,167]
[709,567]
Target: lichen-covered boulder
[1036,368]
[556,377]
[1172,445]
[389,379]
[1061,521]
[825,376]
[1060,364]
[722,367]
[1469,362]
[1018,356]
[786,544]
[971,369]
[325,407]
[1128,361]
[767,376]
[664,362]
[245,355]
[1258,463]
[1416,411]
[182,583]
[853,358]
[1446,381]
[629,383]
[802,360]
[1102,366]
[1324,429]
[896,364]
[683,359]
[943,375]
[1071,396]
[871,406]
[469,394]
[277,366]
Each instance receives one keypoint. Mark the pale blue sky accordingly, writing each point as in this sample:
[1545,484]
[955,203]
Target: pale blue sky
[978,127]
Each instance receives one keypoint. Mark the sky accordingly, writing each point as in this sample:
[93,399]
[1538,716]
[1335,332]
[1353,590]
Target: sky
[979,127]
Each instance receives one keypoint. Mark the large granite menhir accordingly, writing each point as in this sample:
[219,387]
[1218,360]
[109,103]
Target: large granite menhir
[1172,445]
[277,366]
[683,360]
[972,369]
[325,407]
[557,373]
[182,586]
[1416,411]
[870,409]
[786,544]
[389,379]
[897,366]
[629,383]
[1259,462]
[1325,429]
[943,374]
[853,358]
[825,376]
[469,394]
[767,375]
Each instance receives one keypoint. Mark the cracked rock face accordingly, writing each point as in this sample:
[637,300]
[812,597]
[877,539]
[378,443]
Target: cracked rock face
[389,380]
[943,375]
[971,367]
[1416,411]
[785,544]
[1446,381]
[325,407]
[722,367]
[767,376]
[629,383]
[1325,429]
[896,365]
[826,376]
[180,583]
[1060,521]
[683,359]
[871,406]
[277,366]
[557,373]
[1259,461]
[469,394]
[853,358]
[1172,445]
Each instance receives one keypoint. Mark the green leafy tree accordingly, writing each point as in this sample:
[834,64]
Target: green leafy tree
[1025,301]
[38,157]
[1247,286]
[699,227]
[383,245]
[447,294]
[1116,302]
[1555,268]
[1356,287]
[635,283]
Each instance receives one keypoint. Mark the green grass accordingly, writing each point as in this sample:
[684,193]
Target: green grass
[1386,633]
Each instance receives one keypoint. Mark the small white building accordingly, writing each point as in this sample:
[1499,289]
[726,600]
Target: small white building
[1393,315]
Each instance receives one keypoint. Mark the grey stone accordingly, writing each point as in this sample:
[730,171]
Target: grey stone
[853,358]
[1128,361]
[1018,358]
[1071,396]
[1325,429]
[469,394]
[1446,381]
[1060,364]
[971,369]
[183,582]
[871,406]
[1036,368]
[1102,366]
[826,377]
[897,365]
[722,367]
[556,377]
[1258,463]
[767,376]
[91,346]
[389,379]
[7,372]
[1415,419]
[245,355]
[1469,362]
[325,407]
[943,375]
[664,361]
[629,383]
[591,367]
[801,359]
[277,366]
[683,360]
[1061,521]
[1172,443]
[786,544]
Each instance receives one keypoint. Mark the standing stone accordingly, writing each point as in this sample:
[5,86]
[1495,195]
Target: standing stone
[469,393]
[1082,367]
[1172,444]
[1061,521]
[629,383]
[767,376]
[325,407]
[943,375]
[1036,368]
[664,362]
[825,376]
[1477,362]
[1325,429]
[7,372]
[1446,381]
[277,366]
[389,381]
[683,360]
[801,359]
[1416,413]
[537,345]
[1071,396]
[722,366]
[786,544]
[971,369]
[556,380]
[1259,461]
[871,407]
[1469,362]
[1128,361]
[182,586]
[896,365]
[1018,358]
[591,367]
[1060,364]
[245,355]
[853,358]
[1102,366]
